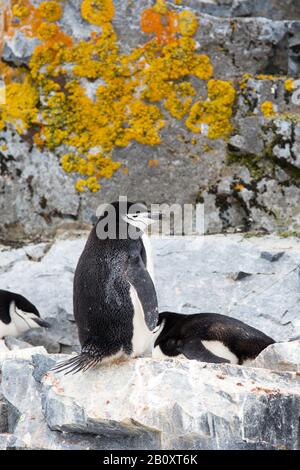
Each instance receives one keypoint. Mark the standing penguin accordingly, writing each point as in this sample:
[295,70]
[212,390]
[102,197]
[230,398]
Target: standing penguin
[17,315]
[208,337]
[115,304]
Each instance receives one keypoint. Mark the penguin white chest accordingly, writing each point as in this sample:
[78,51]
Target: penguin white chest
[149,255]
[142,336]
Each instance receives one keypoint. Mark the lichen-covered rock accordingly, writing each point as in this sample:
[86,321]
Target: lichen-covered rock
[191,158]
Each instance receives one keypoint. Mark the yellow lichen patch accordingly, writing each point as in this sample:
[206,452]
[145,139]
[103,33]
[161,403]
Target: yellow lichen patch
[20,108]
[160,7]
[289,85]
[80,185]
[267,108]
[187,23]
[215,112]
[50,11]
[97,12]
[20,11]
[128,95]
[179,99]
[244,81]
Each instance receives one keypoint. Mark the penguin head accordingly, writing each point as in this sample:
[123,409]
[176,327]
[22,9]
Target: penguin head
[122,216]
[16,309]
[138,215]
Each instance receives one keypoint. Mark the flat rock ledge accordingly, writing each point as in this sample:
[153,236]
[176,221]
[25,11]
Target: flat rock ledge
[151,404]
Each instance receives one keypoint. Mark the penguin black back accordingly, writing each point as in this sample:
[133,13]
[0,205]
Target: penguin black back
[209,337]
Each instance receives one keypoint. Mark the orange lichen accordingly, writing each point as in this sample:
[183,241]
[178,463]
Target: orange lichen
[239,187]
[161,22]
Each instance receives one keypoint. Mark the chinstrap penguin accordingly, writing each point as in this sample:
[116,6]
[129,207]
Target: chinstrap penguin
[17,315]
[114,298]
[207,337]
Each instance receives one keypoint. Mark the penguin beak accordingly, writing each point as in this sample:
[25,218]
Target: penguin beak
[151,217]
[42,323]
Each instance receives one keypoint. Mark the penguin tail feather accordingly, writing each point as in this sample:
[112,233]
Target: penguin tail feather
[80,363]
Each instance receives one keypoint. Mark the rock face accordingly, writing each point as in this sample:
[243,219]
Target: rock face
[273,9]
[280,356]
[147,404]
[248,183]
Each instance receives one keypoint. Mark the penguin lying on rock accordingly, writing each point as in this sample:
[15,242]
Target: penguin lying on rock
[115,304]
[207,337]
[17,315]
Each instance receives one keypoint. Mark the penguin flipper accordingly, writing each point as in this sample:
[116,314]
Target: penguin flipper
[140,279]
[194,349]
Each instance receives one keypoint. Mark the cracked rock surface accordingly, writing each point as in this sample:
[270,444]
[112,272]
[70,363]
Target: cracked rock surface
[146,404]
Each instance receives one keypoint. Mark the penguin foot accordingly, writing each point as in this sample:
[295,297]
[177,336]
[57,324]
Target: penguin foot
[79,363]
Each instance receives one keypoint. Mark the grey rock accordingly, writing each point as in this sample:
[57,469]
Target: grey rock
[267,300]
[23,354]
[274,9]
[243,408]
[37,192]
[19,48]
[280,356]
[3,416]
[3,347]
[238,144]
[272,256]
[283,129]
[238,408]
[283,152]
[16,343]
[36,252]
[240,275]
[5,439]
[39,337]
